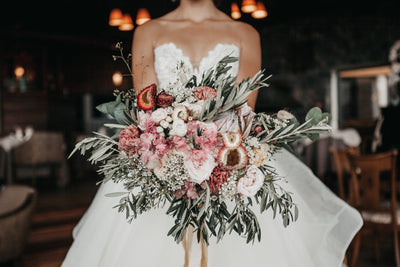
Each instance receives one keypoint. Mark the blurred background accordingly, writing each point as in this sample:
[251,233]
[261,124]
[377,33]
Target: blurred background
[56,65]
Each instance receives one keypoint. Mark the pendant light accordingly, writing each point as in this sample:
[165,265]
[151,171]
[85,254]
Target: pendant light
[142,16]
[249,6]
[115,17]
[127,23]
[260,12]
[235,12]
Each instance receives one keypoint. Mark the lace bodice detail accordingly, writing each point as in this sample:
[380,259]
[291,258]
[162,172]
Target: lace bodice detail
[171,63]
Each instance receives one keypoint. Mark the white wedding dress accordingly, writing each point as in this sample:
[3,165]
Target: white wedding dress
[319,238]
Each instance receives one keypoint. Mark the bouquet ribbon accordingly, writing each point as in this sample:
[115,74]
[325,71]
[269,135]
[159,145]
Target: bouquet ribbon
[196,254]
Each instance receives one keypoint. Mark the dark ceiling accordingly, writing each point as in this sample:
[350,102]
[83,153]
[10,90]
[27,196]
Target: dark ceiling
[89,18]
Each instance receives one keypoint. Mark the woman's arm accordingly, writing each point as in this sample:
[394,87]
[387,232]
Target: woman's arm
[143,57]
[250,58]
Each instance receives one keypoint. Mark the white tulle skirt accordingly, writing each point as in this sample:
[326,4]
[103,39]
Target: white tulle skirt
[319,238]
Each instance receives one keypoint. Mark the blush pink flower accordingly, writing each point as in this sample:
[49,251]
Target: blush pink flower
[188,190]
[128,138]
[204,92]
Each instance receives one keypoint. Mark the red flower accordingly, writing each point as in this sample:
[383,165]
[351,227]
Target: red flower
[218,177]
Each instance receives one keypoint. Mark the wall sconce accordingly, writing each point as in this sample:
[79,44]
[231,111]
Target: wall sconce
[117,78]
[142,16]
[115,17]
[235,12]
[126,24]
[260,12]
[249,6]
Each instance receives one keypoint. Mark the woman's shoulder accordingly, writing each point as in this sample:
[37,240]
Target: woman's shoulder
[151,27]
[244,29]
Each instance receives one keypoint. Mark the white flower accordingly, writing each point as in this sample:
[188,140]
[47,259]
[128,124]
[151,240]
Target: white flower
[249,184]
[152,164]
[200,172]
[158,115]
[179,128]
[165,123]
[159,129]
[195,109]
[284,115]
[168,119]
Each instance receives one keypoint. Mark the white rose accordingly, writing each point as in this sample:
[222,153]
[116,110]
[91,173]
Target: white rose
[249,184]
[159,129]
[179,128]
[200,172]
[165,124]
[196,108]
[284,115]
[158,115]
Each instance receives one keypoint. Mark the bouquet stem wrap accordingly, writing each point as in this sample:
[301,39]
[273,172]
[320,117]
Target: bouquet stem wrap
[193,249]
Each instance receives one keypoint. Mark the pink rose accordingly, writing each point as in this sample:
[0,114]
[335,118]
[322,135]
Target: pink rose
[246,116]
[249,184]
[199,172]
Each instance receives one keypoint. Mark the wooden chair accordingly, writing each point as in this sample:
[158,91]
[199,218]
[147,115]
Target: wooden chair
[369,174]
[342,169]
[17,205]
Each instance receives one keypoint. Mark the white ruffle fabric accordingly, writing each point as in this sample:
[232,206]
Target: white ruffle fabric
[320,236]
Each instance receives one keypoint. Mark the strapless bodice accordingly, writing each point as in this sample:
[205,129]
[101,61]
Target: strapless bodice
[170,62]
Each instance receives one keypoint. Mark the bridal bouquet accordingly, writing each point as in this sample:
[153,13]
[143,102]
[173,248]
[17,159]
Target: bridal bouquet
[197,147]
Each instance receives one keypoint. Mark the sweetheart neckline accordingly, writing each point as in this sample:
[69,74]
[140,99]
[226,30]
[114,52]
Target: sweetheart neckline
[202,58]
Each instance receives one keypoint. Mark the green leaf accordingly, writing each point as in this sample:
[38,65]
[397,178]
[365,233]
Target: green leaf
[116,194]
[314,115]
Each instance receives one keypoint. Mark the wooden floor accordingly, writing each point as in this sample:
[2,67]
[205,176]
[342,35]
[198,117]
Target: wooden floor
[59,210]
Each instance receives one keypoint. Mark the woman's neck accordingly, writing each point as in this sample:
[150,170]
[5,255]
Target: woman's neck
[196,10]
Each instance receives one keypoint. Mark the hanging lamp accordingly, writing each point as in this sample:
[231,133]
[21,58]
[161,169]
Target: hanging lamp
[249,6]
[142,16]
[235,12]
[127,23]
[260,12]
[115,17]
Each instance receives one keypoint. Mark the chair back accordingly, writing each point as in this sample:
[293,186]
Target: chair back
[342,167]
[17,205]
[42,148]
[368,179]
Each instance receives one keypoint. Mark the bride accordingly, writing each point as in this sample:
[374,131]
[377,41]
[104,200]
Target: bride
[197,35]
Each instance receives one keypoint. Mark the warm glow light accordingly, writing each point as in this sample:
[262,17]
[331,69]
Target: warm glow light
[127,23]
[261,11]
[142,16]
[115,17]
[249,6]
[117,78]
[235,12]
[19,72]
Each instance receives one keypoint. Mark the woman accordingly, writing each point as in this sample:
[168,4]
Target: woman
[197,35]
